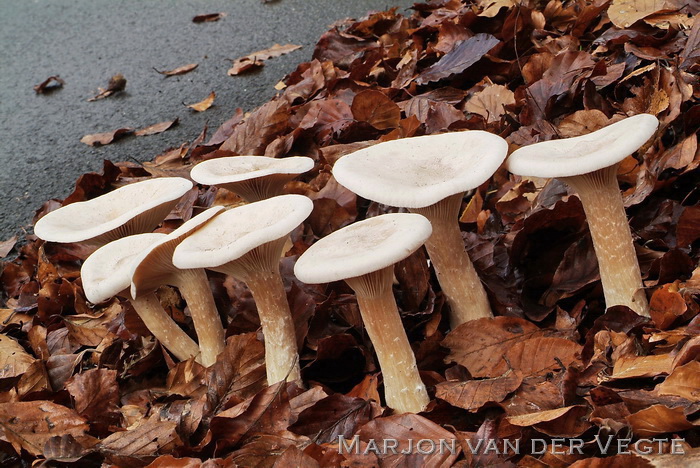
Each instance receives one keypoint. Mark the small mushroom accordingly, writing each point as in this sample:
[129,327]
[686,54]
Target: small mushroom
[254,178]
[246,242]
[429,175]
[132,209]
[154,268]
[107,273]
[363,254]
[588,164]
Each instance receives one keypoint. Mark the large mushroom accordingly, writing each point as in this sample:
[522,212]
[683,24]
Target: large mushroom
[154,268]
[246,242]
[254,178]
[588,164]
[133,209]
[107,273]
[429,175]
[363,254]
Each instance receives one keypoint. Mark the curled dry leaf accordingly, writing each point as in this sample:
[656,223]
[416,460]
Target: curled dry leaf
[684,382]
[99,139]
[256,59]
[49,85]
[350,414]
[14,360]
[464,55]
[141,444]
[179,70]
[156,128]
[116,83]
[474,394]
[6,246]
[490,102]
[208,18]
[205,104]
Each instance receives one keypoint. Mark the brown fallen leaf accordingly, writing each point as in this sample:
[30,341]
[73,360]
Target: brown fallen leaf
[658,419]
[179,70]
[156,128]
[99,139]
[14,360]
[684,382]
[6,246]
[624,13]
[96,396]
[116,83]
[568,421]
[208,18]
[49,85]
[205,104]
[375,108]
[464,55]
[490,102]
[666,305]
[473,394]
[256,59]
[142,443]
[633,367]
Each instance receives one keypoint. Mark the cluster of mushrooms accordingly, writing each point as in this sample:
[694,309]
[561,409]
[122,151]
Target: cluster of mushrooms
[427,175]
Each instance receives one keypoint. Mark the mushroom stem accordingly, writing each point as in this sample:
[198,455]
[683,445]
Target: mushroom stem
[403,388]
[194,287]
[281,354]
[455,271]
[612,238]
[164,327]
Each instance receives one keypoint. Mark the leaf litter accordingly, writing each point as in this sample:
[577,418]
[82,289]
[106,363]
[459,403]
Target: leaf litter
[553,363]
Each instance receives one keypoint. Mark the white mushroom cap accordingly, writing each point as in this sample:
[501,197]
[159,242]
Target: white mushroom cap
[239,230]
[363,247]
[107,272]
[154,267]
[420,171]
[82,221]
[586,153]
[238,168]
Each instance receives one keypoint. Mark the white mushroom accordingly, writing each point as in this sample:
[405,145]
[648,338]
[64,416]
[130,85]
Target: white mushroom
[363,254]
[154,268]
[588,164]
[246,242]
[254,178]
[429,175]
[132,209]
[107,273]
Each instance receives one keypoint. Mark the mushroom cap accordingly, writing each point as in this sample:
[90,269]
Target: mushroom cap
[154,266]
[363,247]
[238,168]
[420,171]
[239,230]
[82,221]
[107,272]
[586,153]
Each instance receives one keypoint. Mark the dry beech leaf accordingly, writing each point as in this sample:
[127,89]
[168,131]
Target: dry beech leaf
[473,394]
[179,70]
[168,461]
[259,129]
[256,59]
[539,355]
[490,102]
[624,13]
[116,83]
[666,306]
[49,85]
[208,18]
[492,7]
[29,425]
[205,104]
[658,419]
[684,382]
[464,55]
[156,128]
[568,421]
[633,367]
[375,108]
[14,360]
[99,139]
[351,413]
[96,395]
[7,246]
[141,443]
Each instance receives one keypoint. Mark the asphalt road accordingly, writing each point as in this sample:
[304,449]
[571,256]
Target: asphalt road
[88,41]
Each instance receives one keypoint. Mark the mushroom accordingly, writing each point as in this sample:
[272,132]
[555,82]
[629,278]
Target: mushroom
[154,268]
[246,242]
[429,175]
[588,164]
[254,178]
[107,273]
[132,209]
[363,254]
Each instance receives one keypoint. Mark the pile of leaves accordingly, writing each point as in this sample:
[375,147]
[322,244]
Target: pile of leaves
[85,385]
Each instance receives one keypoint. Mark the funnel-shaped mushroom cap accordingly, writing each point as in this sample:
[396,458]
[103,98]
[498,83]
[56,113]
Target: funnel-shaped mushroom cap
[585,153]
[154,267]
[238,168]
[132,209]
[107,272]
[363,247]
[239,230]
[420,171]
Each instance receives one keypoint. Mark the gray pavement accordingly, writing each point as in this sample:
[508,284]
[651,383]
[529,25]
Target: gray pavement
[88,41]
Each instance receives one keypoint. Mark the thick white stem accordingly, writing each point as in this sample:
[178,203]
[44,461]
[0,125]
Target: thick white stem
[164,327]
[403,388]
[458,279]
[612,239]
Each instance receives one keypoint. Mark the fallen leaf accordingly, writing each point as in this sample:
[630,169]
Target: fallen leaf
[666,306]
[205,104]
[49,85]
[141,444]
[658,419]
[99,139]
[624,13]
[633,367]
[375,108]
[14,360]
[208,18]
[7,246]
[96,396]
[471,395]
[116,84]
[179,70]
[156,128]
[490,102]
[684,382]
[347,414]
[259,129]
[568,421]
[464,55]
[256,59]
